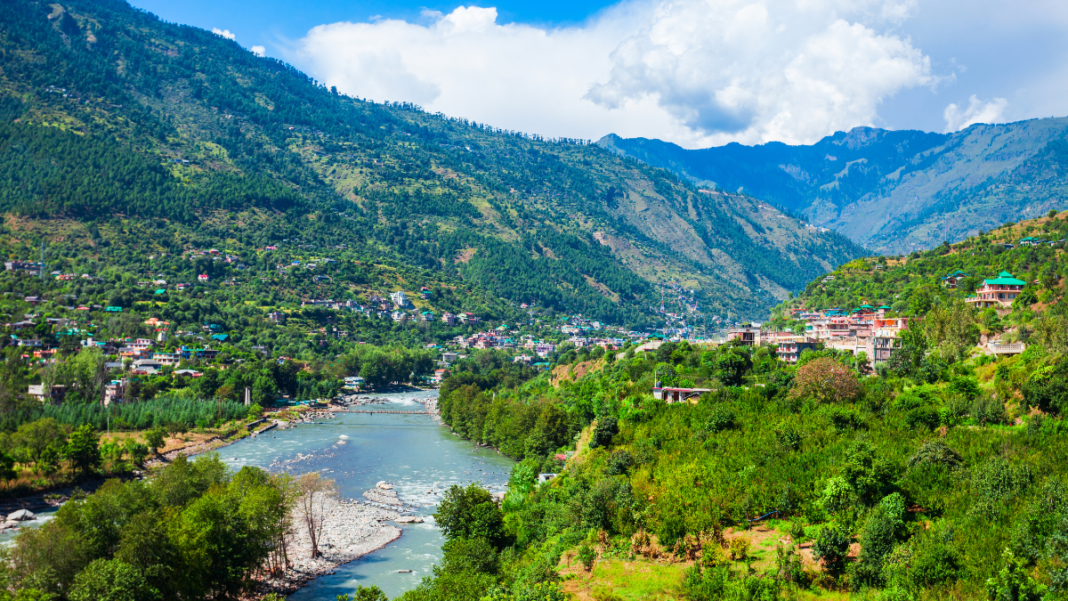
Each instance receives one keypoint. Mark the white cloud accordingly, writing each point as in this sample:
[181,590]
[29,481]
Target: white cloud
[259,50]
[224,33]
[697,72]
[977,112]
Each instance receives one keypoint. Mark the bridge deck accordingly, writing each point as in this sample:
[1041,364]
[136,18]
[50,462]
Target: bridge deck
[383,411]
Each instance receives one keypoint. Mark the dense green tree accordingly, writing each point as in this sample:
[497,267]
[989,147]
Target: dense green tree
[111,580]
[470,513]
[83,450]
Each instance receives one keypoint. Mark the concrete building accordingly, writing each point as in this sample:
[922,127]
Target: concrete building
[790,349]
[677,395]
[998,292]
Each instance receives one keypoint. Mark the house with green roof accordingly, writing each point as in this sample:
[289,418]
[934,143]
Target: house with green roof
[952,279]
[998,292]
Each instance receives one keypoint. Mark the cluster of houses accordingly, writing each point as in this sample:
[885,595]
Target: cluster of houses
[398,307]
[869,329]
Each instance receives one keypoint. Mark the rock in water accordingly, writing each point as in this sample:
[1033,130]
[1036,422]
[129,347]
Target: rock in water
[21,515]
[409,519]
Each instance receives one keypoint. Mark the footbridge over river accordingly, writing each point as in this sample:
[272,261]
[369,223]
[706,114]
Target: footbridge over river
[373,411]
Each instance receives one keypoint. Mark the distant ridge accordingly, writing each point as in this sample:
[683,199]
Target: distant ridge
[891,191]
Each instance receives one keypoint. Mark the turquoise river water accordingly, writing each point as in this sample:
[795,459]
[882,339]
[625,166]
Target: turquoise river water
[418,456]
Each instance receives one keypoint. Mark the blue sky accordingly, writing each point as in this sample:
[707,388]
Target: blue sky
[272,19]
[695,72]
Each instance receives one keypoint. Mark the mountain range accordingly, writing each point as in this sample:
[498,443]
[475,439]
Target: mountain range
[108,114]
[890,191]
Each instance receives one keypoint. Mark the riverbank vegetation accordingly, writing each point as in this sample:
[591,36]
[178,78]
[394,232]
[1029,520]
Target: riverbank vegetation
[917,484]
[193,531]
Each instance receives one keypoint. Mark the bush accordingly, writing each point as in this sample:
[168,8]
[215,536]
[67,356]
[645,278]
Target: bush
[1013,582]
[788,438]
[988,410]
[922,416]
[111,580]
[721,418]
[463,555]
[881,531]
[936,452]
[739,548]
[843,419]
[672,529]
[788,564]
[831,547]
[587,555]
[933,563]
[619,463]
[607,427]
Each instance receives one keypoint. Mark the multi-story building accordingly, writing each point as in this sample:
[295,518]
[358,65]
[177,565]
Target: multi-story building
[115,391]
[790,349]
[748,335]
[998,292]
[884,343]
[172,359]
[55,395]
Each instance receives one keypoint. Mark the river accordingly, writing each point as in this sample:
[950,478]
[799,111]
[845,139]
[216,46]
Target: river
[418,456]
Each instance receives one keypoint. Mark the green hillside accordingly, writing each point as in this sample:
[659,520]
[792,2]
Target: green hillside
[110,113]
[913,284]
[892,191]
[939,474]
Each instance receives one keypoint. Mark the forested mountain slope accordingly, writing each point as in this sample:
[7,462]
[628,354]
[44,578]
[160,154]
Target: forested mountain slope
[916,285]
[892,191]
[909,283]
[107,112]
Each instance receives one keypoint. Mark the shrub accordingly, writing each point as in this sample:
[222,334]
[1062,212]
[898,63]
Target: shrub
[842,419]
[1047,388]
[922,416]
[988,410]
[788,564]
[587,555]
[934,563]
[882,529]
[462,555]
[607,427]
[672,529]
[721,418]
[738,549]
[1013,582]
[788,438]
[936,452]
[111,580]
[996,480]
[619,463]
[470,513]
[837,495]
[832,547]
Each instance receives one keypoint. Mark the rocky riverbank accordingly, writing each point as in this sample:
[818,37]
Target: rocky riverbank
[351,529]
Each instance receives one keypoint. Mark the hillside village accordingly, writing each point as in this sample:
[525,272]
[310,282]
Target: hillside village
[167,354]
